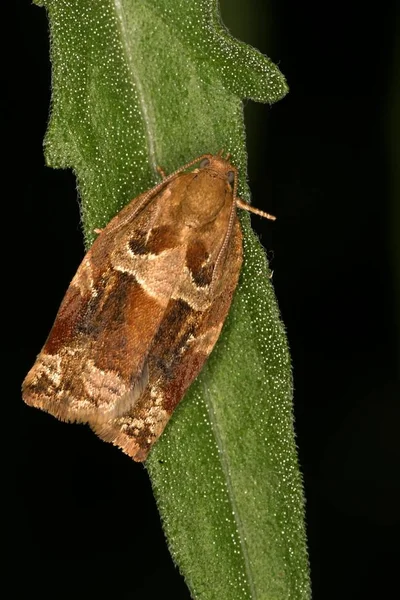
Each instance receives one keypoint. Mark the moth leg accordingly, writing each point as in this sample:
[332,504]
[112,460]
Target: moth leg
[162,172]
[98,230]
[246,206]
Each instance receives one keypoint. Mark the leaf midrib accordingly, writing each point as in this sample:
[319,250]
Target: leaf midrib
[225,466]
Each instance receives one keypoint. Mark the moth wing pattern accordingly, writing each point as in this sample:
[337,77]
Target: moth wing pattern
[75,376]
[193,334]
[145,308]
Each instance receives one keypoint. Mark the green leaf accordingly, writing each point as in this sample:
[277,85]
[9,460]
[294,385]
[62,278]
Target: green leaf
[138,84]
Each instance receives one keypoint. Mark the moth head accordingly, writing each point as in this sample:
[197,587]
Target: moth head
[217,166]
[230,176]
[204,163]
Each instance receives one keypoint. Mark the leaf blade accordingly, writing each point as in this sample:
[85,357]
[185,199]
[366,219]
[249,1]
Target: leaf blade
[141,84]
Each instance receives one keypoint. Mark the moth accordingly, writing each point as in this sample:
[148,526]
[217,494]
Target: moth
[145,308]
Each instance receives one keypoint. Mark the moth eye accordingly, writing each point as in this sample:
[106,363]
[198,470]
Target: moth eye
[204,163]
[230,176]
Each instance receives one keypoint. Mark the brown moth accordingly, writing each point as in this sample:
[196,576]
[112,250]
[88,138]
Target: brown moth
[145,308]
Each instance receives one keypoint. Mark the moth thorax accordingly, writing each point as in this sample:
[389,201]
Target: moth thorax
[204,199]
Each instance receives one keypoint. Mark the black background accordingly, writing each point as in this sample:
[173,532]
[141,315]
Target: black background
[83,521]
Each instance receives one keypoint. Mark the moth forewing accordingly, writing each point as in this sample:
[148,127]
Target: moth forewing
[145,309]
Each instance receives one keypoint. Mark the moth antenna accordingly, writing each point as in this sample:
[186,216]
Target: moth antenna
[256,211]
[228,155]
[220,152]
